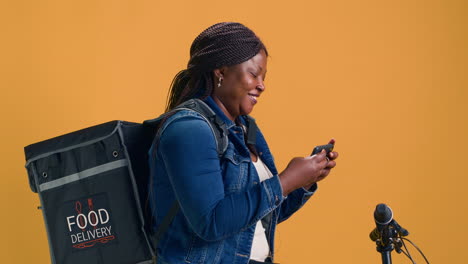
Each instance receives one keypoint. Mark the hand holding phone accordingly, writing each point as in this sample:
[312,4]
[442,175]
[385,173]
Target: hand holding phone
[328,148]
[305,171]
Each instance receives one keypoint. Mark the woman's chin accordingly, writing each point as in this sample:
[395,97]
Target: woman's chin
[246,110]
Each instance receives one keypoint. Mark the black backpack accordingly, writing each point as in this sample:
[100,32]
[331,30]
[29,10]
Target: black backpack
[92,186]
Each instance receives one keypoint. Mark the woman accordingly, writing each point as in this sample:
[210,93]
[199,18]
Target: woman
[229,205]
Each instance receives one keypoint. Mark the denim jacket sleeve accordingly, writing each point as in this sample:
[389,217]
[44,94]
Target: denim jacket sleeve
[294,201]
[188,151]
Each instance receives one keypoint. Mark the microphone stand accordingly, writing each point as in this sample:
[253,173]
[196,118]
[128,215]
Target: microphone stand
[385,244]
[389,240]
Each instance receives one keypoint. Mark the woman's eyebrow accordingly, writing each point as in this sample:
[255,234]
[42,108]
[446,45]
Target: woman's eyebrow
[258,67]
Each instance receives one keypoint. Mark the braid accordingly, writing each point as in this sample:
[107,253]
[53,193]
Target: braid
[178,85]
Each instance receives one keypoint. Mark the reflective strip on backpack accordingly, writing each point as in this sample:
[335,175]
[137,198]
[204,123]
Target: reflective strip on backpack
[83,174]
[146,262]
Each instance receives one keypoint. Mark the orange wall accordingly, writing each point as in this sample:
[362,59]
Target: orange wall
[387,79]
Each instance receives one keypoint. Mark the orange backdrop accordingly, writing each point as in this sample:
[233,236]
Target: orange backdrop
[387,79]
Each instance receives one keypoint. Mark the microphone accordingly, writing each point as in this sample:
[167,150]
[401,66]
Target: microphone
[383,217]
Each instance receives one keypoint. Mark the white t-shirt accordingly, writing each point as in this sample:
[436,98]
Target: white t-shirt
[260,248]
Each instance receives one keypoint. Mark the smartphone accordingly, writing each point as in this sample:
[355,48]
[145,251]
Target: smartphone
[327,147]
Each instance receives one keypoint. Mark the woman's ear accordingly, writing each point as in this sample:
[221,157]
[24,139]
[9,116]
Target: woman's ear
[219,73]
[218,77]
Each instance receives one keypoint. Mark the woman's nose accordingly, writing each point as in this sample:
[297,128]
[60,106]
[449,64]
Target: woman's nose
[261,86]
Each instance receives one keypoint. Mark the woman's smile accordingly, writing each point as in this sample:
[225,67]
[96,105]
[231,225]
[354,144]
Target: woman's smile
[253,98]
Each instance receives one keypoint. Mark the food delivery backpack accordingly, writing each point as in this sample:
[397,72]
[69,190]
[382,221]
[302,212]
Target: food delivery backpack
[92,186]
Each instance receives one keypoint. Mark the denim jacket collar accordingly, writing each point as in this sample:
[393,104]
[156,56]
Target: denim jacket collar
[212,104]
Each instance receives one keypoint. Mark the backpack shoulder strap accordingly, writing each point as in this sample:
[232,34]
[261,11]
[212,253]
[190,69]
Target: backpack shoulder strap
[251,130]
[217,125]
[165,225]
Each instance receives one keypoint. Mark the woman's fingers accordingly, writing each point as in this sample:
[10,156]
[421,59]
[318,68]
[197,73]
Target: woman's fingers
[322,155]
[331,164]
[324,174]
[323,159]
[333,155]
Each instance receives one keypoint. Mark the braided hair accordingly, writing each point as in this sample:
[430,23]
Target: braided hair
[222,44]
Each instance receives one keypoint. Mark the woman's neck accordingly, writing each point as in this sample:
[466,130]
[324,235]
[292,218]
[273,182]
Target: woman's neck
[223,108]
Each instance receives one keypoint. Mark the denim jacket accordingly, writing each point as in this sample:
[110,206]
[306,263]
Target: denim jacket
[221,198]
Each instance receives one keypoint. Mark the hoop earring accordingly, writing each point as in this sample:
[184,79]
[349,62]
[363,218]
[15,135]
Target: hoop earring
[219,81]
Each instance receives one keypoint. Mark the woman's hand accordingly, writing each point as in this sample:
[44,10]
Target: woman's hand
[305,171]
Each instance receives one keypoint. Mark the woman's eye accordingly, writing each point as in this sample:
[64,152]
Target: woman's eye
[253,74]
